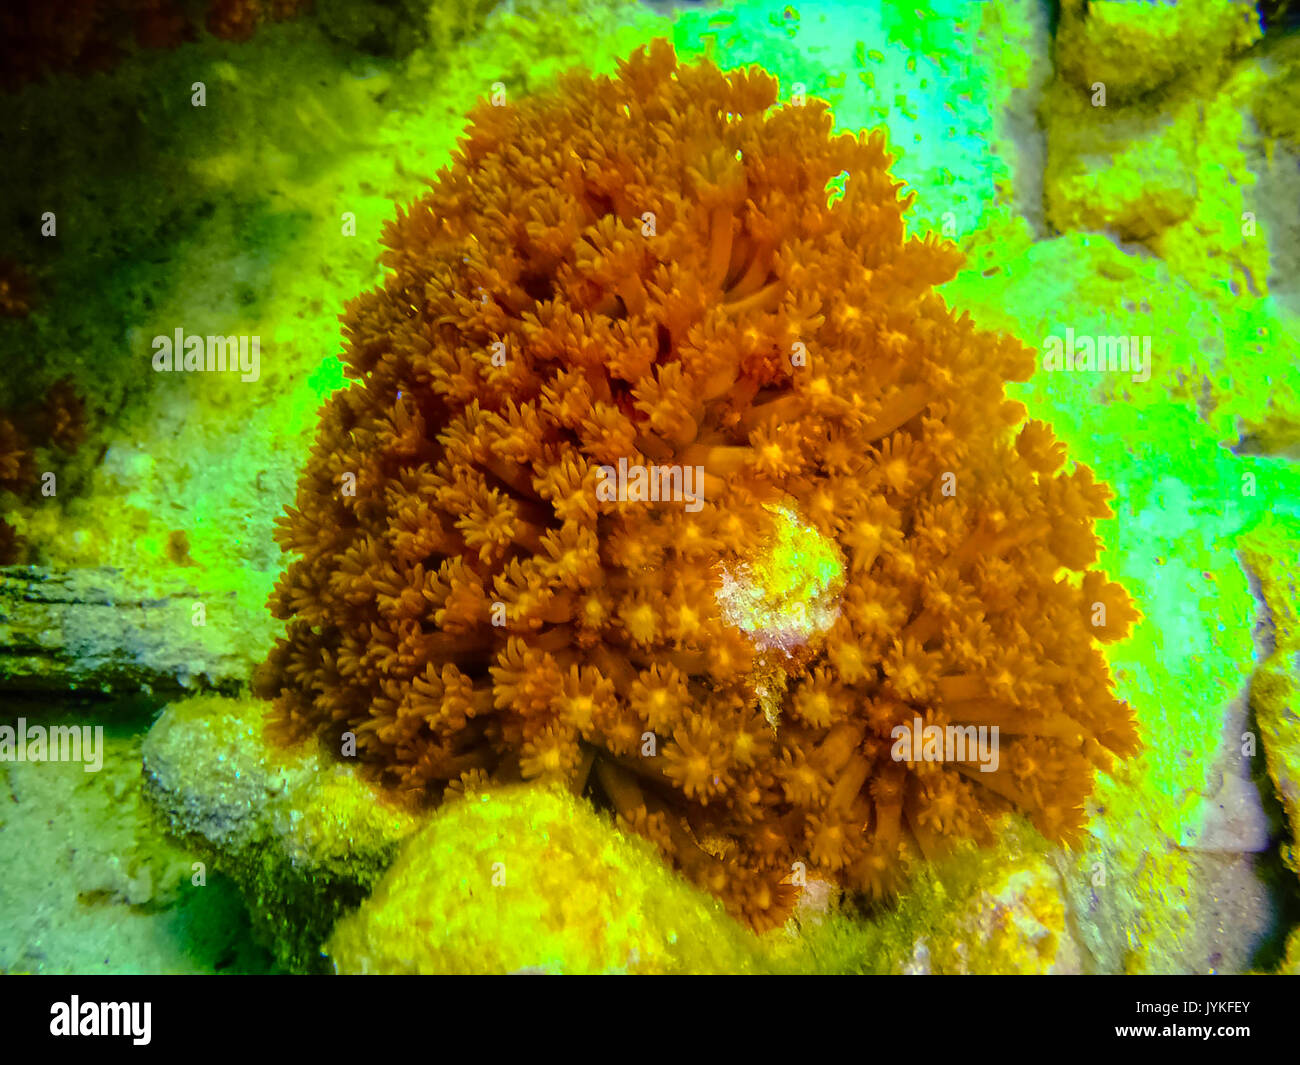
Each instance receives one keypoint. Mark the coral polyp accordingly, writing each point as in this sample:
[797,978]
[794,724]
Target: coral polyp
[666,269]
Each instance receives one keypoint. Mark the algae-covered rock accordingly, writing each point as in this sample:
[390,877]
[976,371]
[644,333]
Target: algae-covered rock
[1131,170]
[1291,963]
[523,879]
[1016,926]
[98,629]
[1168,169]
[303,838]
[1134,48]
[981,910]
[1272,552]
[1276,702]
[1277,108]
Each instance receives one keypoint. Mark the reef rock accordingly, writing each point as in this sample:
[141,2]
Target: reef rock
[527,879]
[1270,551]
[1135,48]
[1165,167]
[99,630]
[303,839]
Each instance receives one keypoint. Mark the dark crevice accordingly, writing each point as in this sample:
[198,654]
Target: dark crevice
[665,342]
[540,287]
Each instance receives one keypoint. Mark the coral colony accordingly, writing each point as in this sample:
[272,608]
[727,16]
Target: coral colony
[855,531]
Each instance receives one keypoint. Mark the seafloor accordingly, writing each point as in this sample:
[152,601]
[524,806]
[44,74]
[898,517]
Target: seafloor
[1173,212]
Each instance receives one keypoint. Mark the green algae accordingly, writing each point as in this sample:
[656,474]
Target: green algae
[1277,106]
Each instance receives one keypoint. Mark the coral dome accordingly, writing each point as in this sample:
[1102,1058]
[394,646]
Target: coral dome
[664,272]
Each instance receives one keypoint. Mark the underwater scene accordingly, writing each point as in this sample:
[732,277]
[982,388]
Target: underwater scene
[647,487]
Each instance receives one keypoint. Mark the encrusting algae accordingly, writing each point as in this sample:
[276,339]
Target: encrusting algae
[539,885]
[665,270]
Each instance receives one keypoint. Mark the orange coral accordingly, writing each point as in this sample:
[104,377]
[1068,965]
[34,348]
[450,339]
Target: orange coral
[59,421]
[17,473]
[15,290]
[649,268]
[237,20]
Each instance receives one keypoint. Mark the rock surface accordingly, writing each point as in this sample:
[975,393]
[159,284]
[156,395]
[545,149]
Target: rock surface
[98,631]
[1272,552]
[1136,48]
[524,879]
[304,839]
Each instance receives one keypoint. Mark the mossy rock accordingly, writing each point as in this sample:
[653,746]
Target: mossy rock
[1168,171]
[528,879]
[1277,108]
[1130,170]
[303,838]
[1135,48]
[1271,550]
